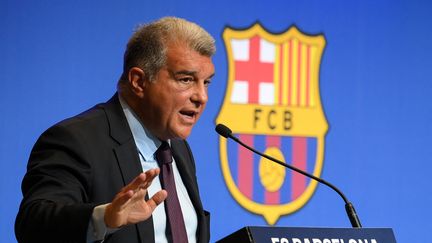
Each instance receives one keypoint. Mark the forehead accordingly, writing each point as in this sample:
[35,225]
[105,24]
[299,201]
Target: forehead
[181,56]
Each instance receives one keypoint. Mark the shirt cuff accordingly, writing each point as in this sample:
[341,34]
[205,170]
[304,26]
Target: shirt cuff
[97,229]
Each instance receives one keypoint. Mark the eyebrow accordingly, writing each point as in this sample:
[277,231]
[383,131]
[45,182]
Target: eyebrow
[211,76]
[186,72]
[192,73]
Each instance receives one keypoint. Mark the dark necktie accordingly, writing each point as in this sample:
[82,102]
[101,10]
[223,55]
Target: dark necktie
[172,204]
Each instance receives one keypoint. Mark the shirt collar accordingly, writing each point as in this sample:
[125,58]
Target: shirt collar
[146,142]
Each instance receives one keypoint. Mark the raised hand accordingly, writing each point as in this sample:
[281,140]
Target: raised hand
[129,205]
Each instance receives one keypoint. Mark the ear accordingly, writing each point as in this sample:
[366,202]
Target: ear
[136,79]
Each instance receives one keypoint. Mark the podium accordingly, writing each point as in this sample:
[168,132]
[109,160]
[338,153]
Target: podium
[255,234]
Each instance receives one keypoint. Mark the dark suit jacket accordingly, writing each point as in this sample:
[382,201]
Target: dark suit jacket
[82,162]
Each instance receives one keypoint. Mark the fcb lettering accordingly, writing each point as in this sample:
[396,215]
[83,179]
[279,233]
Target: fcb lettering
[273,118]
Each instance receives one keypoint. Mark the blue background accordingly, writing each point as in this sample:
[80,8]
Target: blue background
[58,58]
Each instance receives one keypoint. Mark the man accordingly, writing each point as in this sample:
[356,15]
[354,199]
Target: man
[85,179]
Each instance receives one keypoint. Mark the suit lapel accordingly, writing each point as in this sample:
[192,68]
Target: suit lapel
[127,156]
[126,151]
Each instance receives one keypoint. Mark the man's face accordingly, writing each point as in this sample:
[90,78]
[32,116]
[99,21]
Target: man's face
[174,101]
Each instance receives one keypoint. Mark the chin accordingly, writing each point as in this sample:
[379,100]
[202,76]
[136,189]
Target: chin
[183,134]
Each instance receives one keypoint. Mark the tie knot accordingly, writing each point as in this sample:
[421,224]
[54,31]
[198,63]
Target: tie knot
[163,154]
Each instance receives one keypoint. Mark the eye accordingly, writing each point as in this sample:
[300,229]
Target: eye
[186,79]
[207,82]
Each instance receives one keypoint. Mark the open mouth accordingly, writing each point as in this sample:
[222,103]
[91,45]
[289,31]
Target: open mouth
[188,114]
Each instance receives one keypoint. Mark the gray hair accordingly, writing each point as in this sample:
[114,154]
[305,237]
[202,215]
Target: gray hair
[147,47]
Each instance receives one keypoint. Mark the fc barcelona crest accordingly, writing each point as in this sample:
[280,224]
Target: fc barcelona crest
[272,103]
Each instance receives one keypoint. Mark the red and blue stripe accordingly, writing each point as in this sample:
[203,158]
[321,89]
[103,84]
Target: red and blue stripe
[298,151]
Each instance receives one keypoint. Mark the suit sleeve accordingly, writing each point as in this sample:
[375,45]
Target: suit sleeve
[55,189]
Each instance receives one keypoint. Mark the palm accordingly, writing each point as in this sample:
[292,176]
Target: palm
[129,205]
[138,210]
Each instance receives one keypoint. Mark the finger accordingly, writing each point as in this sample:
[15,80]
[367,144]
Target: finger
[142,181]
[122,199]
[157,199]
[136,183]
[138,195]
[150,175]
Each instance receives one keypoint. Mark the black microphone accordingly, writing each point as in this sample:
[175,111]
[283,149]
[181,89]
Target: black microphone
[224,131]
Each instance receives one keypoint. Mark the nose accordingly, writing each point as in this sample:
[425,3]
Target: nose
[200,95]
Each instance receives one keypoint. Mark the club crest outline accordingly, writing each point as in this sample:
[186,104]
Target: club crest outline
[272,99]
